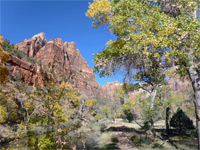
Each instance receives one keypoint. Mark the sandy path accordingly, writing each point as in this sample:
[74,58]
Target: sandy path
[125,142]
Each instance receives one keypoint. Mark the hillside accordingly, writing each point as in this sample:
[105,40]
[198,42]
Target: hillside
[62,58]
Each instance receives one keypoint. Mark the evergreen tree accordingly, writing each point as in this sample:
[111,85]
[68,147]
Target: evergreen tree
[181,121]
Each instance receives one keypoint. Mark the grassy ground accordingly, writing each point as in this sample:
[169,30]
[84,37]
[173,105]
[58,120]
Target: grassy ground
[120,135]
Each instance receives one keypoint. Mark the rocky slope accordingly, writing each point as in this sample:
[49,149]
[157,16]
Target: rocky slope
[62,58]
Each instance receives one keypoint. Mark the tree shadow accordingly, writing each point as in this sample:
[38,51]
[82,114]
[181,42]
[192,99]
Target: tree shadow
[112,146]
[124,129]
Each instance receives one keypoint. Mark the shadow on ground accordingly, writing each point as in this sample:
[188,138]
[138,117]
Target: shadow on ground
[124,129]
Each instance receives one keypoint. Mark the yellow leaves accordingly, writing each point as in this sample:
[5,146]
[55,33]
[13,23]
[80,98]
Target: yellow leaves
[71,95]
[146,53]
[156,55]
[1,40]
[4,56]
[91,102]
[98,7]
[28,104]
[3,73]
[65,85]
[3,112]
[3,59]
[59,113]
[109,43]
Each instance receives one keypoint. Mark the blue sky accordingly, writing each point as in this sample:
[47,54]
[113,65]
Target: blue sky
[63,19]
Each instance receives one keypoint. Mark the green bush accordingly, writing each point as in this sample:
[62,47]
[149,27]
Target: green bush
[30,59]
[11,50]
[114,138]
[181,121]
[128,112]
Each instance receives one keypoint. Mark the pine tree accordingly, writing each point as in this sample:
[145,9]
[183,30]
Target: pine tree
[181,121]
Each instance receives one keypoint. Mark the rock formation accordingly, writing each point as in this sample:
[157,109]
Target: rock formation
[107,91]
[31,46]
[179,86]
[29,73]
[62,58]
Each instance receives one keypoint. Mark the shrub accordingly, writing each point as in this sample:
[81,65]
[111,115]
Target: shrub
[181,121]
[147,125]
[3,112]
[128,112]
[114,138]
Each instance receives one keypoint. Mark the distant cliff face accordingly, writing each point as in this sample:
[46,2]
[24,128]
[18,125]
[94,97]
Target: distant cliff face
[62,58]
[107,91]
[175,83]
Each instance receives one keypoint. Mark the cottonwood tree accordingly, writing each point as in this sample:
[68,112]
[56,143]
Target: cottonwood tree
[152,36]
[50,115]
[143,62]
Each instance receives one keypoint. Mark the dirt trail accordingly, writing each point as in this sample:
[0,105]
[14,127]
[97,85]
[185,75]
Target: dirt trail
[125,142]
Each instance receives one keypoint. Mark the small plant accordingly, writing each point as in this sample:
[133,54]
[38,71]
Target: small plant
[136,140]
[114,138]
[147,125]
[103,126]
[157,145]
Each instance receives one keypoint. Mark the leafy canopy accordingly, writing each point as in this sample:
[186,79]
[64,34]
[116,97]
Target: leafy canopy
[149,39]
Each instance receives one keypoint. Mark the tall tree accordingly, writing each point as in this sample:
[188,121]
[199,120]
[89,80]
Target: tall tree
[152,37]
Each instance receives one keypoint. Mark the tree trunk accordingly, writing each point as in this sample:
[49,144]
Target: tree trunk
[153,96]
[152,124]
[115,117]
[197,110]
[194,73]
[167,119]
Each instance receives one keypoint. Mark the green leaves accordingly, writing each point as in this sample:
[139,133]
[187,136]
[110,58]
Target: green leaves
[150,37]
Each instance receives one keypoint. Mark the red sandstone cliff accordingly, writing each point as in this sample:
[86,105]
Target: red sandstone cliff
[62,58]
[175,83]
[29,73]
[107,91]
[31,46]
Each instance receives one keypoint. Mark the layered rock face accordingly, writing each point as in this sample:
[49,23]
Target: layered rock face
[179,86]
[29,73]
[62,58]
[107,91]
[175,83]
[31,46]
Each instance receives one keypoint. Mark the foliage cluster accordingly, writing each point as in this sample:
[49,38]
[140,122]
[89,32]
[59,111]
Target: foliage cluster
[181,121]
[3,59]
[11,50]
